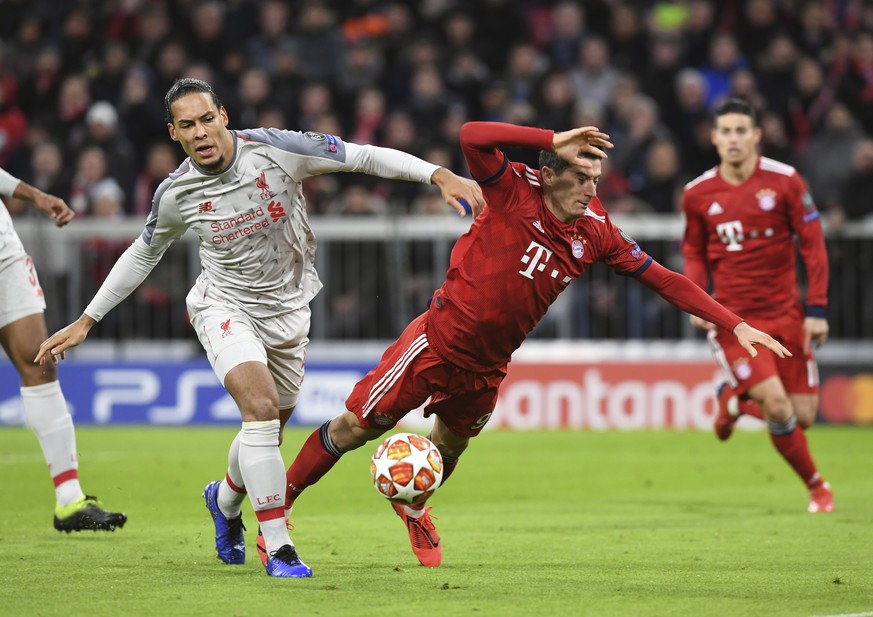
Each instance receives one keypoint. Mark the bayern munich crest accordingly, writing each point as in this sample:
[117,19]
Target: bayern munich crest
[578,248]
[766,199]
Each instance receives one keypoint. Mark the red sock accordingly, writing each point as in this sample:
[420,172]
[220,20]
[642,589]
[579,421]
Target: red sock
[315,459]
[749,407]
[795,450]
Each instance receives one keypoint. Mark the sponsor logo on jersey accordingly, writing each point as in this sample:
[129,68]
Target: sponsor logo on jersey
[742,369]
[626,237]
[206,206]
[715,208]
[225,329]
[276,211]
[766,199]
[539,226]
[266,193]
[577,246]
[314,136]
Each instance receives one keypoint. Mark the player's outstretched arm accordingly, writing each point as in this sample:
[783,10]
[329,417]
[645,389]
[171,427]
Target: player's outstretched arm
[59,342]
[455,189]
[748,337]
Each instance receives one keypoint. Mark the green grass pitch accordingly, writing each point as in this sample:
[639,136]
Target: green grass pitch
[532,523]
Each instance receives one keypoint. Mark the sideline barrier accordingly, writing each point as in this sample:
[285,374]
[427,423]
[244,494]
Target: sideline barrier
[565,386]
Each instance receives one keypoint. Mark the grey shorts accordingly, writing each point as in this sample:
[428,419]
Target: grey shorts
[231,337]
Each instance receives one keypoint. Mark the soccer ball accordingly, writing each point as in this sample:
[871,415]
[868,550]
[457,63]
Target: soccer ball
[406,468]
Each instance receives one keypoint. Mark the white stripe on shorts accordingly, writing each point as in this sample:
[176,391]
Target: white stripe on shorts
[390,378]
[718,353]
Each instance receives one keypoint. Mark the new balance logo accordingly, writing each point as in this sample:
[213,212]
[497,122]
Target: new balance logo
[714,209]
[539,226]
[206,206]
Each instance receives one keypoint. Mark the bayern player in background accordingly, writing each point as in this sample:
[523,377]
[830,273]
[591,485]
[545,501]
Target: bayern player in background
[240,192]
[742,218]
[22,328]
[540,230]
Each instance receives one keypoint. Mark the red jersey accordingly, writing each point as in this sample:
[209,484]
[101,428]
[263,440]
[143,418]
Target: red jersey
[744,237]
[507,270]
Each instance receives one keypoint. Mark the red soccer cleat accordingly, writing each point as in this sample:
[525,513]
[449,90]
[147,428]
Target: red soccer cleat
[423,536]
[728,411]
[821,499]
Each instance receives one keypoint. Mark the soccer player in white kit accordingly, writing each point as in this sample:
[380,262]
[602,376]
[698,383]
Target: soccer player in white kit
[22,327]
[240,192]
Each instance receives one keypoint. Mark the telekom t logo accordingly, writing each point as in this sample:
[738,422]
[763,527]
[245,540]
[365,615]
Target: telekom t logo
[535,257]
[731,233]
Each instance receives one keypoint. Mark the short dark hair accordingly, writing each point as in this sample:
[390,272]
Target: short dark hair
[183,87]
[557,164]
[735,106]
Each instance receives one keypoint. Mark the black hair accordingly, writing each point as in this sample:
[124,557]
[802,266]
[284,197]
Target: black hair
[735,106]
[557,164]
[183,87]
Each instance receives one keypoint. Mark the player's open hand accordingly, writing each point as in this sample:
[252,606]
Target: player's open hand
[58,343]
[571,145]
[456,190]
[55,208]
[749,337]
[815,332]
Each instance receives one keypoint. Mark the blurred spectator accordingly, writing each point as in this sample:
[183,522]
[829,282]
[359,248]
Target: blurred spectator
[80,44]
[855,201]
[524,70]
[659,79]
[627,39]
[811,33]
[758,24]
[828,160]
[361,67]
[154,31]
[91,180]
[108,82]
[568,32]
[40,89]
[170,64]
[465,78]
[22,51]
[428,101]
[161,160]
[593,77]
[13,122]
[253,96]
[775,140]
[318,41]
[141,112]
[315,99]
[500,24]
[697,30]
[856,88]
[369,116]
[73,102]
[632,147]
[555,104]
[808,103]
[724,58]
[273,34]
[776,73]
[661,185]
[47,169]
[207,38]
[106,200]
[102,130]
[690,110]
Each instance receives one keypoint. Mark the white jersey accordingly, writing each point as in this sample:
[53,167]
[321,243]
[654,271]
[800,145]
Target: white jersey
[257,249]
[10,244]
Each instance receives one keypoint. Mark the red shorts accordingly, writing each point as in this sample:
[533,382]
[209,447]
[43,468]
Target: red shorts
[799,373]
[410,372]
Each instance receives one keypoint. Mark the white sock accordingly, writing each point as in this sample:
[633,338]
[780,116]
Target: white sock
[45,411]
[229,500]
[263,472]
[414,511]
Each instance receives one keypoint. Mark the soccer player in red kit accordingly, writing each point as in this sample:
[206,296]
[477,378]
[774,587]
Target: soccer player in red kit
[741,220]
[540,230]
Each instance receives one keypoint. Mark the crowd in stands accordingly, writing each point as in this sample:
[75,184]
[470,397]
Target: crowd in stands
[82,85]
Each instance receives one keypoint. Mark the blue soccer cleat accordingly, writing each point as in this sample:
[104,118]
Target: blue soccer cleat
[230,544]
[285,563]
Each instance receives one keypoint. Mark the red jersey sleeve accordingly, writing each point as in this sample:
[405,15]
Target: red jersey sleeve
[481,143]
[694,245]
[806,224]
[681,292]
